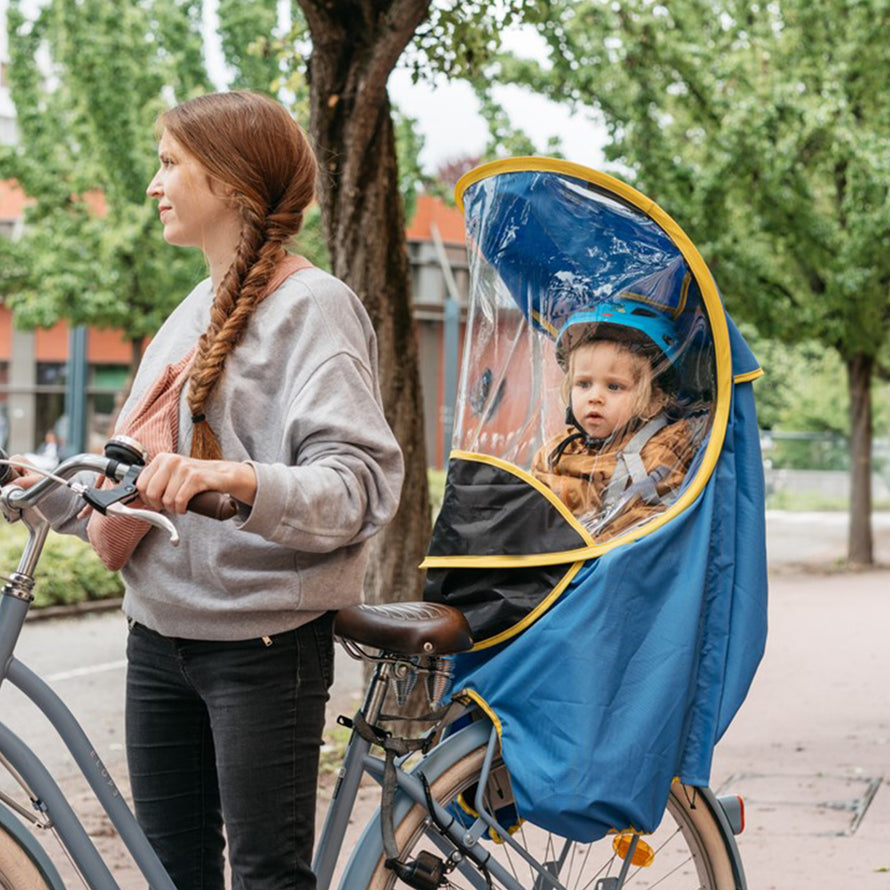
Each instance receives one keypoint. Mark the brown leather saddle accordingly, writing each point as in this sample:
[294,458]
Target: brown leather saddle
[406,628]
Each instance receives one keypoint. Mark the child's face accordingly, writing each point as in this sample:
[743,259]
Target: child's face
[609,386]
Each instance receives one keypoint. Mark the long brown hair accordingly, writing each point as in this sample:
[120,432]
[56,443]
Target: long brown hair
[251,146]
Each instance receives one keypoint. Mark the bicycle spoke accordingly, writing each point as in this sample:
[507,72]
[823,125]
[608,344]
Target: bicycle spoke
[686,851]
[673,871]
[606,867]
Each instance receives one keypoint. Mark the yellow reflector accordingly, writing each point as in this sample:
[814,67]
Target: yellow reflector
[643,854]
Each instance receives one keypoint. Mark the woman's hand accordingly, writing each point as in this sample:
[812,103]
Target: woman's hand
[170,481]
[23,477]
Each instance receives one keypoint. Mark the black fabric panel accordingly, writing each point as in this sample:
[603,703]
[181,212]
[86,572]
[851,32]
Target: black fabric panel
[493,600]
[487,511]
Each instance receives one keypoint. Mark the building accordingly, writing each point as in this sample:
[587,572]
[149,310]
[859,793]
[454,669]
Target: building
[33,365]
[437,251]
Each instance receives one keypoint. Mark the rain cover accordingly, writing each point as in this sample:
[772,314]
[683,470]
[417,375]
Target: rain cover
[605,475]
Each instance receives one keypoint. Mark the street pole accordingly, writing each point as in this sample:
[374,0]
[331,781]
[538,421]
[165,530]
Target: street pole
[451,344]
[76,391]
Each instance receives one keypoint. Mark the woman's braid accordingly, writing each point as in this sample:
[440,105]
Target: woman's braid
[238,295]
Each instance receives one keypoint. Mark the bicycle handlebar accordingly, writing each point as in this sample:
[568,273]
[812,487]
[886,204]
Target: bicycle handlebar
[212,504]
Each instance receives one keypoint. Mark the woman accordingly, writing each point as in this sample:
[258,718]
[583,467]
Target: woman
[263,384]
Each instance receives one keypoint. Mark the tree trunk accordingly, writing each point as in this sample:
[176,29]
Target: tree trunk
[355,47]
[860,369]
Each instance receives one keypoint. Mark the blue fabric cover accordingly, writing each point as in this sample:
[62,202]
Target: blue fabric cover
[560,245]
[637,670]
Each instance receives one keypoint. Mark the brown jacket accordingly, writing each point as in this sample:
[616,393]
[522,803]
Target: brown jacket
[581,475]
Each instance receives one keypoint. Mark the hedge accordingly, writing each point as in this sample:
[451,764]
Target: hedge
[68,572]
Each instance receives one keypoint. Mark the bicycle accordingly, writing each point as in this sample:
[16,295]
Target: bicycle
[438,824]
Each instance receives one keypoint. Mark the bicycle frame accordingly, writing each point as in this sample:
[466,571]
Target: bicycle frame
[411,790]
[54,810]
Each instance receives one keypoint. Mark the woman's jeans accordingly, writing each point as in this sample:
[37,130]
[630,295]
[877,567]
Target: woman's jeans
[229,732]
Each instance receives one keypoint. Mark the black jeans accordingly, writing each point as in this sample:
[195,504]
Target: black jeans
[229,732]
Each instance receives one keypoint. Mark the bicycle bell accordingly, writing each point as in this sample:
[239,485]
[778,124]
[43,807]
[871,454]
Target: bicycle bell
[126,450]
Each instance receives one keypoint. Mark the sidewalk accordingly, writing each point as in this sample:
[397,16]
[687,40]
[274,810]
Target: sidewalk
[810,748]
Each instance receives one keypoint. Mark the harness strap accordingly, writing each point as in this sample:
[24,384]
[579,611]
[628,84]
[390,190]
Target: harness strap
[394,747]
[629,467]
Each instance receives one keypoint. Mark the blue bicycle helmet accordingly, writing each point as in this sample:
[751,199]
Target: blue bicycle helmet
[623,319]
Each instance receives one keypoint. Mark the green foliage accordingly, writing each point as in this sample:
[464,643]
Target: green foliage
[69,570]
[310,242]
[409,145]
[504,139]
[761,127]
[459,39]
[92,251]
[250,49]
[436,481]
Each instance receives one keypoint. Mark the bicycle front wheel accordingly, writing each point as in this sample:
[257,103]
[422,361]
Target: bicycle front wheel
[690,847]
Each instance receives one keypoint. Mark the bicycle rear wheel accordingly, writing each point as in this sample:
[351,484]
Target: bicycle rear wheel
[17,869]
[690,846]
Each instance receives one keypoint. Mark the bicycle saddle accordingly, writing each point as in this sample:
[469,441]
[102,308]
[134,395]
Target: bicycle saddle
[406,628]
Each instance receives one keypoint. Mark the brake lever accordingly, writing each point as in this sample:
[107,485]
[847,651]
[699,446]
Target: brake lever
[158,520]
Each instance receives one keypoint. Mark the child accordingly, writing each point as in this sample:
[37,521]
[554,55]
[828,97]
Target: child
[625,453]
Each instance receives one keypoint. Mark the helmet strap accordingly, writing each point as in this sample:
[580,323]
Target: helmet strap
[589,441]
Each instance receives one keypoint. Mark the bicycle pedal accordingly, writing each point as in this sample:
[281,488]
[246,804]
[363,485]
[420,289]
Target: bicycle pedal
[426,872]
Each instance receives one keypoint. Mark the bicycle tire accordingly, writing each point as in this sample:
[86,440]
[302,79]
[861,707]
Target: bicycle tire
[691,847]
[18,871]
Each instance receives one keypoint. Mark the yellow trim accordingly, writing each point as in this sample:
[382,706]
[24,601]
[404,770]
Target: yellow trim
[684,294]
[536,316]
[549,165]
[484,706]
[535,613]
[719,331]
[756,374]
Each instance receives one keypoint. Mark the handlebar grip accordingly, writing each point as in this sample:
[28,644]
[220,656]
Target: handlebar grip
[213,504]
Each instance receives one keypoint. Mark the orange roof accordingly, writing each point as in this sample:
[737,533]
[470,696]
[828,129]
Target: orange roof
[12,199]
[449,220]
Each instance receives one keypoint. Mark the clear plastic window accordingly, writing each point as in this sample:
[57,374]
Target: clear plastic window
[589,360]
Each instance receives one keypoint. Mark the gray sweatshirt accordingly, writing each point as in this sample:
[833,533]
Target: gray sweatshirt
[299,399]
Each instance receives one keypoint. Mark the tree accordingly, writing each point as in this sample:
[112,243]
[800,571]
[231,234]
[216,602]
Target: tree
[763,128]
[91,252]
[355,44]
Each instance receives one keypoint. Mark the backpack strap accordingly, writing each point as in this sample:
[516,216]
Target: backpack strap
[629,467]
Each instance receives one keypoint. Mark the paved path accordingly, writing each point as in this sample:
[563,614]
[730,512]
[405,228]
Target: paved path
[810,748]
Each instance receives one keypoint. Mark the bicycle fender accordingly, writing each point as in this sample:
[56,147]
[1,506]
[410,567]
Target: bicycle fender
[31,846]
[710,800]
[369,848]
